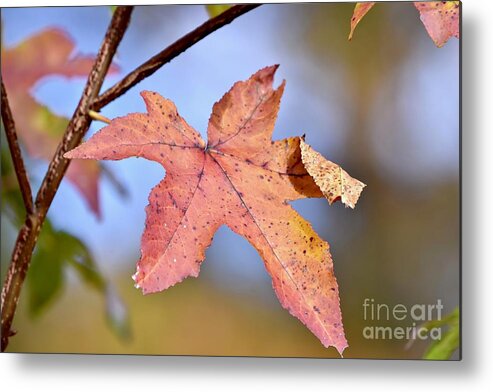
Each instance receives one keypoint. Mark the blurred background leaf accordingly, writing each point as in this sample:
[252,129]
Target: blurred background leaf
[83,263]
[43,55]
[55,252]
[45,276]
[449,343]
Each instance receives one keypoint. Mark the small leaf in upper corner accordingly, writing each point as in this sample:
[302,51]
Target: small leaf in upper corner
[440,18]
[360,10]
[216,9]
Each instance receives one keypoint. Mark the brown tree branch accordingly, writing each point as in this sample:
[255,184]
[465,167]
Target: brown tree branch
[72,137]
[15,152]
[168,54]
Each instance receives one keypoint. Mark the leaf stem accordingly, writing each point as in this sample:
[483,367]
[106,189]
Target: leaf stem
[165,56]
[15,152]
[98,117]
[77,127]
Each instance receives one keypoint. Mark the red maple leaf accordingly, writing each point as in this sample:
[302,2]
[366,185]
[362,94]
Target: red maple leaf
[242,179]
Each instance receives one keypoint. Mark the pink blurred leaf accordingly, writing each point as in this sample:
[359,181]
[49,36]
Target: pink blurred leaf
[440,18]
[40,131]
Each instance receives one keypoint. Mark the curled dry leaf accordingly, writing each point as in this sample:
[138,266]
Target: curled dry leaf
[45,54]
[240,178]
[440,18]
[333,180]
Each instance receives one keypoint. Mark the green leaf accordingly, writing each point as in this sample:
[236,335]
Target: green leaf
[116,312]
[444,348]
[117,315]
[45,277]
[52,125]
[450,319]
[57,250]
[215,9]
[84,265]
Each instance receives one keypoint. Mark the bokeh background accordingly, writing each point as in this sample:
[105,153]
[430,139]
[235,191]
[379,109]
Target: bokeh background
[385,106]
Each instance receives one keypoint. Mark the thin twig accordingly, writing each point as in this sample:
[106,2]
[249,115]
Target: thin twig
[74,132]
[15,152]
[168,54]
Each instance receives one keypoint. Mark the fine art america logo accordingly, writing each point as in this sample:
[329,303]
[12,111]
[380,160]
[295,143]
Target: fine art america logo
[411,318]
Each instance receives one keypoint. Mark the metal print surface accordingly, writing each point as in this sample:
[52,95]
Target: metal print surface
[301,161]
